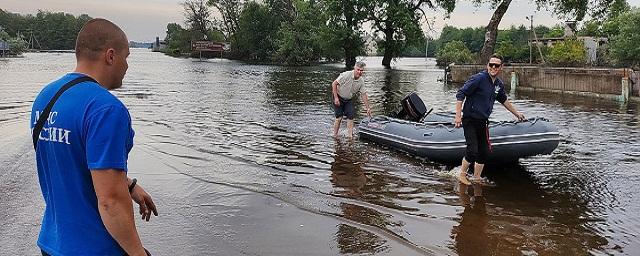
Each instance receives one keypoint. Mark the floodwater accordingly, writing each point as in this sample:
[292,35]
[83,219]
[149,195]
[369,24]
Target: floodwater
[240,161]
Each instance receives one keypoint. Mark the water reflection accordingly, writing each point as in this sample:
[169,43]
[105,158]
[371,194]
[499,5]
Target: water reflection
[352,240]
[520,216]
[348,176]
[396,85]
[471,234]
[301,86]
[577,102]
[346,170]
[271,128]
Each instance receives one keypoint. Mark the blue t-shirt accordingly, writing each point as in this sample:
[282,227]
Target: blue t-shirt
[88,128]
[480,94]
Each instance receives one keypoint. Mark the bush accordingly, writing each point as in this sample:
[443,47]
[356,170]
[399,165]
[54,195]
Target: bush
[17,46]
[569,53]
[454,52]
[256,38]
[299,40]
[624,45]
[513,53]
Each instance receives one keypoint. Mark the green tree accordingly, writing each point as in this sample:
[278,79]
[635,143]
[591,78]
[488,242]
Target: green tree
[473,38]
[454,52]
[415,48]
[624,46]
[197,16]
[230,14]
[556,31]
[299,42]
[256,38]
[591,28]
[345,30]
[618,7]
[563,8]
[568,53]
[399,23]
[17,46]
[178,40]
[3,34]
[282,10]
[46,30]
[13,23]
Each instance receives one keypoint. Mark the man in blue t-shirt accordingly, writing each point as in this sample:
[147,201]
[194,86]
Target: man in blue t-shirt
[82,154]
[478,94]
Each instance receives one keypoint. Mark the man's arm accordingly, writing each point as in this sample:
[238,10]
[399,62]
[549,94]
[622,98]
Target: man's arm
[334,91]
[116,209]
[468,88]
[365,98]
[507,104]
[458,118]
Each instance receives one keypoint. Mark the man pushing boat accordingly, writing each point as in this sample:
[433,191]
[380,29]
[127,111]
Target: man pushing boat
[478,95]
[343,89]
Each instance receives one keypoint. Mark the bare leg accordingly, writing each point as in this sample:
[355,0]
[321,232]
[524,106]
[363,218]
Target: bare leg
[350,128]
[462,177]
[336,126]
[477,190]
[477,171]
[462,192]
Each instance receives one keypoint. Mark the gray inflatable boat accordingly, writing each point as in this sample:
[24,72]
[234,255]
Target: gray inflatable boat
[435,137]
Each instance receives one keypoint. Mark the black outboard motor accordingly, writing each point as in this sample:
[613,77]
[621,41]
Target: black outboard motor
[413,108]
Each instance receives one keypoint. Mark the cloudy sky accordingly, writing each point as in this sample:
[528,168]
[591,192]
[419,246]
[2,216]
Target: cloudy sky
[143,20]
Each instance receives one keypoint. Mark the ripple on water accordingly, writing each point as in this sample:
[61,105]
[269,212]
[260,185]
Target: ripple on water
[234,131]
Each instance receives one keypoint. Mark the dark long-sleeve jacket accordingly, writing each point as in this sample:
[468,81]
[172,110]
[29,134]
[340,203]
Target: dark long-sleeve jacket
[479,94]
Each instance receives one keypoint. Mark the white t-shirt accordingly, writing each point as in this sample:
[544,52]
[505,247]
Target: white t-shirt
[348,86]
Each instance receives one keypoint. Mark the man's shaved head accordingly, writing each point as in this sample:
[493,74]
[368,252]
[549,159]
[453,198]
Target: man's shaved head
[98,35]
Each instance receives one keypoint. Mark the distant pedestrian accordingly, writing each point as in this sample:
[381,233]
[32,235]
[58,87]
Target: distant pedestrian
[82,151]
[479,94]
[343,89]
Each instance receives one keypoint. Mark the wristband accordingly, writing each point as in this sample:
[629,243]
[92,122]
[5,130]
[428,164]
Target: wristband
[133,184]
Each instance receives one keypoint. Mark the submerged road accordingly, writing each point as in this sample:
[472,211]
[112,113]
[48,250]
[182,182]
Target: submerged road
[239,161]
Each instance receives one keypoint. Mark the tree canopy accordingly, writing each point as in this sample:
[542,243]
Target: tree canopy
[45,30]
[399,23]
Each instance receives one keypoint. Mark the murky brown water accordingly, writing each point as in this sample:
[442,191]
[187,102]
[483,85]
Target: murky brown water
[240,160]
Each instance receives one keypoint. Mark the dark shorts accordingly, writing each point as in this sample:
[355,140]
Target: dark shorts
[475,135]
[345,109]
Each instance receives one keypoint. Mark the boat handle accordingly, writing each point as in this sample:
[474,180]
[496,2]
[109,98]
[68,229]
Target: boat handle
[428,134]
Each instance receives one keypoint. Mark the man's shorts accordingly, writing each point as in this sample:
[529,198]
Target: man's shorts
[345,109]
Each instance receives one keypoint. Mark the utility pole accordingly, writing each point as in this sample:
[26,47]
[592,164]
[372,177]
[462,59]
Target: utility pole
[530,18]
[530,40]
[33,41]
[426,49]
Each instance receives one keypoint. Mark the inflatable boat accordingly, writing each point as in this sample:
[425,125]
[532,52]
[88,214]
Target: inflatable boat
[433,135]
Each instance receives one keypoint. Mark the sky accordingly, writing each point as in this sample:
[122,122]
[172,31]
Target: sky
[143,20]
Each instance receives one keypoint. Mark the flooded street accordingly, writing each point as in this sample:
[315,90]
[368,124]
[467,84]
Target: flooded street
[240,161]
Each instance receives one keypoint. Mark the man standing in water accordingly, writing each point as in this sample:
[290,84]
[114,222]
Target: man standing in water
[343,89]
[82,152]
[478,94]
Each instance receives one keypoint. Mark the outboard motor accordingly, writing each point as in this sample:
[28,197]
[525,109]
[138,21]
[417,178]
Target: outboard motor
[413,108]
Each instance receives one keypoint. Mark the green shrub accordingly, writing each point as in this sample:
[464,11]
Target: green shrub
[625,46]
[568,53]
[17,46]
[454,52]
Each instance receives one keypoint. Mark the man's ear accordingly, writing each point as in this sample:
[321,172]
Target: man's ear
[110,56]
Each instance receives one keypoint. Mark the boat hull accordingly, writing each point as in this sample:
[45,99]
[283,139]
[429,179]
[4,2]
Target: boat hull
[439,141]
